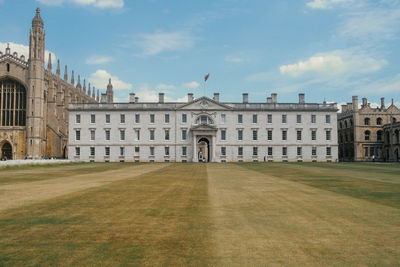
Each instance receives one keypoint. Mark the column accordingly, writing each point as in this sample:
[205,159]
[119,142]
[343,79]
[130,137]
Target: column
[194,149]
[213,149]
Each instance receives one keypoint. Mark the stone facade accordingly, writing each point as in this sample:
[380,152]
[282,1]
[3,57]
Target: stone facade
[34,101]
[360,130]
[203,129]
[391,148]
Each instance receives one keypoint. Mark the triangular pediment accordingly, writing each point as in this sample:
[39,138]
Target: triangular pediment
[393,108]
[204,103]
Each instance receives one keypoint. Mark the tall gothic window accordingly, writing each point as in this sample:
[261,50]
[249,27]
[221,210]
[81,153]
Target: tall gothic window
[12,103]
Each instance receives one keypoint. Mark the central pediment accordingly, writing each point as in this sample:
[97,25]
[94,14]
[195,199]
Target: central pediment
[204,103]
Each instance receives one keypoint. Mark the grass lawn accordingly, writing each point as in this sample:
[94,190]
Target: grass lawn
[200,215]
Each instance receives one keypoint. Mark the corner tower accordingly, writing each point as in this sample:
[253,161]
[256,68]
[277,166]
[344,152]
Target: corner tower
[35,131]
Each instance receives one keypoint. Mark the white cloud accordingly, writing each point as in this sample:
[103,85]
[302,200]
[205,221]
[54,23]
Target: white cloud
[233,59]
[96,60]
[100,78]
[163,86]
[95,3]
[339,62]
[191,85]
[325,4]
[156,43]
[381,86]
[146,94]
[24,50]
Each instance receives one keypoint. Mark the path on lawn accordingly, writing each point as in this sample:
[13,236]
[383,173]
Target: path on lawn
[20,194]
[263,220]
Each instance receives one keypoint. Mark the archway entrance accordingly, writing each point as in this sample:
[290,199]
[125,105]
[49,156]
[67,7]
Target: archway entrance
[203,150]
[64,152]
[6,151]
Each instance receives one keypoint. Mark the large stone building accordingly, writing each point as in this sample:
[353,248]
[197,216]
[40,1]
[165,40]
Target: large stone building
[34,101]
[203,129]
[361,130]
[391,147]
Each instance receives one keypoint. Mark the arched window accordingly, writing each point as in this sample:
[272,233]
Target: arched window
[367,135]
[366,121]
[204,119]
[12,103]
[379,135]
[379,121]
[394,120]
[340,125]
[345,124]
[8,67]
[351,122]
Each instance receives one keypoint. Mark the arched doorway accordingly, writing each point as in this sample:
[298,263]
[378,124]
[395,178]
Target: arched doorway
[203,149]
[64,152]
[6,151]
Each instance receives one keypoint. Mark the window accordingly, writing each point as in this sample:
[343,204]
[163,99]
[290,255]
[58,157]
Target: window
[122,118]
[13,103]
[328,135]
[366,152]
[204,120]
[92,135]
[329,151]
[284,151]
[107,151]
[298,119]
[269,135]
[298,135]
[223,151]
[269,151]
[92,151]
[107,135]
[151,151]
[284,135]
[367,135]
[223,118]
[255,136]
[379,135]
[254,118]
[313,118]
[77,151]
[152,118]
[122,135]
[122,151]
[166,151]
[166,118]
[284,118]
[8,67]
[77,135]
[137,149]
[92,118]
[255,151]
[184,134]
[108,118]
[137,118]
[152,135]
[314,151]
[166,134]
[313,135]
[240,135]
[366,121]
[184,151]
[137,134]
[379,121]
[269,118]
[184,118]
[223,135]
[299,151]
[328,118]
[240,151]
[78,118]
[240,118]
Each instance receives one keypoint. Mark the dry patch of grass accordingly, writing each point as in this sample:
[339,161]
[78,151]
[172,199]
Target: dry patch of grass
[261,220]
[156,219]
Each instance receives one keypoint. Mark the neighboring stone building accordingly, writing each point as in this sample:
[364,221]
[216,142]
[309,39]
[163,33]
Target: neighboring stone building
[34,101]
[203,129]
[391,148]
[360,130]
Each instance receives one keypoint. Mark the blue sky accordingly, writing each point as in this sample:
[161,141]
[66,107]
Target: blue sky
[328,49]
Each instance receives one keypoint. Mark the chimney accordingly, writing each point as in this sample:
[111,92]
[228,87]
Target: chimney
[365,103]
[161,98]
[216,97]
[245,98]
[344,108]
[269,100]
[103,98]
[355,102]
[301,98]
[132,98]
[274,97]
[136,99]
[382,103]
[190,97]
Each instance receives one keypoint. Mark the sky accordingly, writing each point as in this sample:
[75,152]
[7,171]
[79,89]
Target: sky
[327,49]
